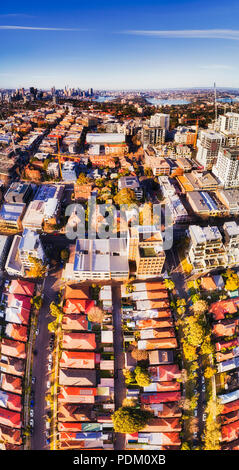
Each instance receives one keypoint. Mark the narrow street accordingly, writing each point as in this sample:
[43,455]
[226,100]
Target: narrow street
[120,389]
[40,361]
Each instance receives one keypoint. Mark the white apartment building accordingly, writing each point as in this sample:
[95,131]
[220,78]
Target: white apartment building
[208,145]
[206,249]
[229,123]
[231,231]
[99,259]
[160,120]
[30,245]
[226,168]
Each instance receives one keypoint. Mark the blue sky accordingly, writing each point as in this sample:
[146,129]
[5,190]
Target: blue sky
[119,44]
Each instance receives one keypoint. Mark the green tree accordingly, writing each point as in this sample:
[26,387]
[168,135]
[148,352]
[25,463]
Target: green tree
[125,196]
[200,307]
[169,284]
[55,310]
[129,376]
[142,377]
[140,354]
[64,254]
[130,419]
[38,269]
[37,302]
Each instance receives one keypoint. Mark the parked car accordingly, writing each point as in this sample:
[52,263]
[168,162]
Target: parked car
[50,358]
[204,417]
[33,380]
[203,388]
[47,433]
[49,367]
[37,331]
[195,412]
[31,422]
[48,384]
[31,413]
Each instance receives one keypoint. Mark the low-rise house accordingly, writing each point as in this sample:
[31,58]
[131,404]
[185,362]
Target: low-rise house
[77,395]
[12,365]
[10,347]
[10,400]
[18,332]
[78,359]
[22,287]
[10,418]
[11,383]
[80,341]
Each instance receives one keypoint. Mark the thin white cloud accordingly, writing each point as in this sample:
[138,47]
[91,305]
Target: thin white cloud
[14,15]
[189,33]
[216,67]
[38,28]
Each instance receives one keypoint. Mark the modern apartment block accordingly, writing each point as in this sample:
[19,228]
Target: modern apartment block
[160,120]
[206,249]
[153,135]
[30,245]
[208,146]
[226,168]
[231,231]
[98,259]
[229,123]
[145,247]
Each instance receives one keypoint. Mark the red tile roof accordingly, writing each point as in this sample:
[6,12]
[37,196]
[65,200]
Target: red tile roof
[155,397]
[10,418]
[222,307]
[84,341]
[78,359]
[22,287]
[10,347]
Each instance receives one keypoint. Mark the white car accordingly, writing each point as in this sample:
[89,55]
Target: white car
[195,412]
[31,422]
[48,384]
[50,359]
[49,367]
[204,417]
[37,331]
[31,413]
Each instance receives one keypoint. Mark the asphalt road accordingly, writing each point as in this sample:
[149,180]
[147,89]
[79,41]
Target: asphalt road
[120,389]
[40,361]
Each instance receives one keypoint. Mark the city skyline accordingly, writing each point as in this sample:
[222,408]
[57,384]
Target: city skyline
[123,46]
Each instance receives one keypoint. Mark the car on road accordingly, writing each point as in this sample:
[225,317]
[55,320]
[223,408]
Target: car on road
[204,417]
[203,380]
[50,358]
[48,384]
[49,367]
[33,380]
[37,331]
[51,346]
[203,388]
[31,422]
[31,413]
[195,412]
[47,441]
[195,435]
